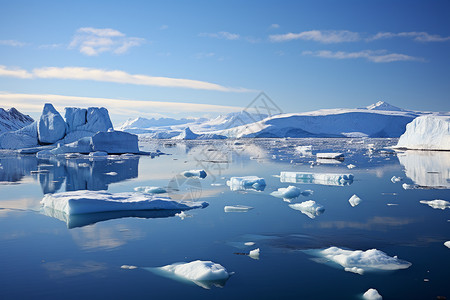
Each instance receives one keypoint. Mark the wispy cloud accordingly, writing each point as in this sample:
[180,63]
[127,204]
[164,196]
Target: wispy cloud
[321,36]
[274,26]
[221,35]
[416,36]
[163,27]
[12,43]
[116,76]
[376,56]
[93,41]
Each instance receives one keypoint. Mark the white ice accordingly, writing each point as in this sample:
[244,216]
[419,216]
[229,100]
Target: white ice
[254,253]
[395,179]
[51,126]
[195,173]
[316,178]
[309,208]
[150,189]
[128,267]
[246,183]
[84,201]
[290,192]
[237,208]
[437,204]
[447,244]
[372,294]
[354,200]
[350,166]
[330,155]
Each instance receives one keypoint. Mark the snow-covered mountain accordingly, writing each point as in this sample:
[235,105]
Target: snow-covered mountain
[12,119]
[144,125]
[381,105]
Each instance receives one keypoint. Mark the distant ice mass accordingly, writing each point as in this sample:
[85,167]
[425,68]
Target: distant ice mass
[350,166]
[249,243]
[381,105]
[428,132]
[317,178]
[354,200]
[195,173]
[237,208]
[150,189]
[85,202]
[330,155]
[369,260]
[203,273]
[128,267]
[437,204]
[447,244]
[290,192]
[395,179]
[246,183]
[372,294]
[309,208]
[188,134]
[254,253]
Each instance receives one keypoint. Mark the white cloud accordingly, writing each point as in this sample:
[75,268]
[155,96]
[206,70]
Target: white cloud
[93,41]
[116,76]
[12,43]
[221,35]
[321,36]
[416,36]
[163,27]
[274,26]
[378,56]
[14,72]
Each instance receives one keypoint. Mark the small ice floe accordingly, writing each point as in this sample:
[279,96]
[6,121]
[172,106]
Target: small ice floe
[317,178]
[237,208]
[392,204]
[350,166]
[205,274]
[288,193]
[358,261]
[150,189]
[447,244]
[330,155]
[246,183]
[372,294]
[354,200]
[182,215]
[111,173]
[406,186]
[128,267]
[85,202]
[436,204]
[249,243]
[396,179]
[254,253]
[216,184]
[309,208]
[195,173]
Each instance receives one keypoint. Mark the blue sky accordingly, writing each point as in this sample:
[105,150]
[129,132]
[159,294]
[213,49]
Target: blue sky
[186,58]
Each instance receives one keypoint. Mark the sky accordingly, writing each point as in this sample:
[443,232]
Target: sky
[204,58]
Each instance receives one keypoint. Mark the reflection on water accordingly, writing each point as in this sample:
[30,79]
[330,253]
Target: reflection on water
[427,168]
[75,173]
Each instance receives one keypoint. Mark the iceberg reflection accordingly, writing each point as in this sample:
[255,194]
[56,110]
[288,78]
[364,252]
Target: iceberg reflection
[316,178]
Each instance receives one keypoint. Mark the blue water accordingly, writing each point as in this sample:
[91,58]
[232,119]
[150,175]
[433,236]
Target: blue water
[45,257]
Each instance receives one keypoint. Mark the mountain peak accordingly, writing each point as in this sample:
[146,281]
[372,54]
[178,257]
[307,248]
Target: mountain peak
[381,105]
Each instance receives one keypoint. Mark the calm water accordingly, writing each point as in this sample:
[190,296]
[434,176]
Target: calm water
[51,256]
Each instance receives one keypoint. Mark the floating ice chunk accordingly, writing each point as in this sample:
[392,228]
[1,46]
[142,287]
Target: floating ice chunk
[369,260]
[246,183]
[182,215]
[202,273]
[84,202]
[195,173]
[330,155]
[355,270]
[83,145]
[111,173]
[51,126]
[317,178]
[447,244]
[372,294]
[150,189]
[350,166]
[127,267]
[395,179]
[304,150]
[437,204]
[254,253]
[290,192]
[309,208]
[237,208]
[249,243]
[354,200]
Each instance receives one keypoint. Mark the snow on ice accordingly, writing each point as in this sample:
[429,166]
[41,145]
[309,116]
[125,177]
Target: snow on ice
[436,204]
[354,200]
[372,294]
[290,192]
[246,183]
[309,208]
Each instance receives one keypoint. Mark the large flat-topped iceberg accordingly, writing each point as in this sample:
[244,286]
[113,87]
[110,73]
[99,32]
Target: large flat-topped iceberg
[429,132]
[85,202]
[317,178]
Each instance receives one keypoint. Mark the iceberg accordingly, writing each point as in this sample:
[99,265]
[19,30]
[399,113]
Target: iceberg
[254,253]
[330,155]
[150,189]
[85,202]
[447,244]
[246,183]
[350,166]
[372,294]
[25,137]
[203,273]
[309,208]
[428,132]
[115,142]
[396,179]
[317,178]
[290,192]
[187,134]
[436,204]
[51,126]
[195,173]
[237,208]
[369,260]
[354,200]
